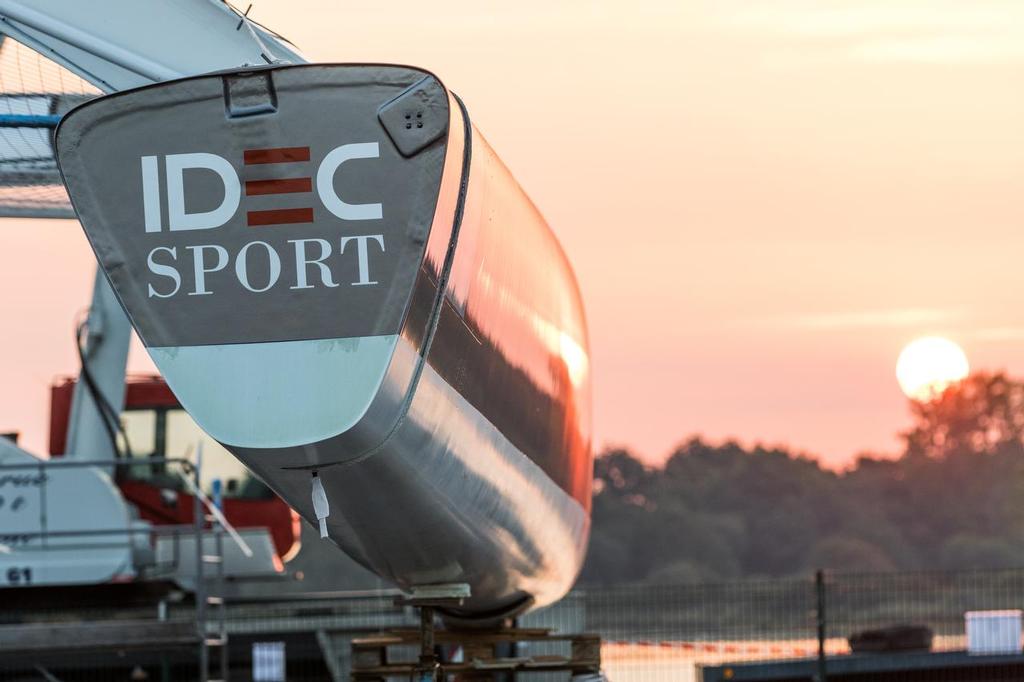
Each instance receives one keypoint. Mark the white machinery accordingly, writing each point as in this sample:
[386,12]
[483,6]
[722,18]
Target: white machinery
[77,501]
[70,524]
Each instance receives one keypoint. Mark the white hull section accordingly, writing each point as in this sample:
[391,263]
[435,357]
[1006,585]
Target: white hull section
[282,394]
[446,498]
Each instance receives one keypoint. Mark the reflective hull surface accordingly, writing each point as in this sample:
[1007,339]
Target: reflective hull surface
[438,385]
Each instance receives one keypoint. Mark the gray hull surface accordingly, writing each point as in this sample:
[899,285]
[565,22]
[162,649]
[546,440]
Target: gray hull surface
[336,274]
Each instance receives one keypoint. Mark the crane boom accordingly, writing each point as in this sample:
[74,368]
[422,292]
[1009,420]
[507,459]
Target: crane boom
[116,45]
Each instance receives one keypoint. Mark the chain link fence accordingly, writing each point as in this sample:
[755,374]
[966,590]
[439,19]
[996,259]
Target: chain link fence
[877,626]
[34,93]
[838,626]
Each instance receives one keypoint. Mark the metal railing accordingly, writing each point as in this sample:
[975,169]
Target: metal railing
[692,632]
[651,632]
[21,541]
[806,626]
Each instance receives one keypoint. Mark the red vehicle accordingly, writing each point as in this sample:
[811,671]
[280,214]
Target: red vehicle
[157,426]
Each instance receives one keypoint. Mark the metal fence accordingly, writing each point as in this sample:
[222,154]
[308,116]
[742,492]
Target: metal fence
[114,630]
[767,629]
[183,626]
[801,629]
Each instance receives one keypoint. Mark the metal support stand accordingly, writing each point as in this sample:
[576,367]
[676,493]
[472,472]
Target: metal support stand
[426,599]
[819,584]
[485,653]
[428,658]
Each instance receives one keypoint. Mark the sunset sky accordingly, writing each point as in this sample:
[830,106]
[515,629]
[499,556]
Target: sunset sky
[764,201]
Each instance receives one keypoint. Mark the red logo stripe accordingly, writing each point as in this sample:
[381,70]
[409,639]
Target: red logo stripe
[278,186]
[280,216]
[276,155]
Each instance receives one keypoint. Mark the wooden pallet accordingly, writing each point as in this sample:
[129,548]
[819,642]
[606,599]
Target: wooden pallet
[372,660]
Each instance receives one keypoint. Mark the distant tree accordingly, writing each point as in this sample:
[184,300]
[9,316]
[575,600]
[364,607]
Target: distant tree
[779,502]
[982,413]
[620,475]
[970,551]
[841,552]
[682,571]
[955,499]
[620,519]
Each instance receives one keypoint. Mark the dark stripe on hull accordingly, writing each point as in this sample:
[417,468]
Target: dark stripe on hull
[276,155]
[279,216]
[278,186]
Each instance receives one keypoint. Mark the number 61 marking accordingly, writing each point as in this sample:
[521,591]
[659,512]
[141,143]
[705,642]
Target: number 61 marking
[19,576]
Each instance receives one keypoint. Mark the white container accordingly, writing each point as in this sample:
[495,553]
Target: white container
[268,662]
[993,632]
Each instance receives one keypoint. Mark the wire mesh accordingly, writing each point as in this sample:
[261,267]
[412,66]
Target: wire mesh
[767,629]
[34,92]
[763,629]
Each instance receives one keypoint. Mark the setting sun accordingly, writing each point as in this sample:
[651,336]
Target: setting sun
[928,365]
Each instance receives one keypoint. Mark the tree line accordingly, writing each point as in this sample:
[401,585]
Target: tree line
[952,499]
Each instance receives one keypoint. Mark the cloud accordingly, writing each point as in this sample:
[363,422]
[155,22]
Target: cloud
[866,19]
[999,334]
[897,30]
[898,317]
[949,49]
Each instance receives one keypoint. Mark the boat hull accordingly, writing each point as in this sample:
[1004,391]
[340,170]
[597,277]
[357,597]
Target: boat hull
[442,397]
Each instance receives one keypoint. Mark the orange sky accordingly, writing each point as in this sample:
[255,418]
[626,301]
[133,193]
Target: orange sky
[763,201]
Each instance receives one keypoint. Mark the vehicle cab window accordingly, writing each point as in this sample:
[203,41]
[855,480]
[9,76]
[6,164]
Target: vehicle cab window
[157,432]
